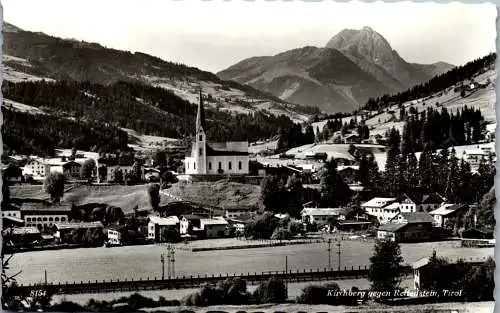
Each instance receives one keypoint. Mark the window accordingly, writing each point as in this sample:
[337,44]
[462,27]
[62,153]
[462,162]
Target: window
[57,219]
[230,165]
[44,219]
[201,138]
[28,219]
[194,165]
[201,151]
[220,165]
[63,219]
[187,165]
[239,165]
[39,219]
[209,165]
[50,219]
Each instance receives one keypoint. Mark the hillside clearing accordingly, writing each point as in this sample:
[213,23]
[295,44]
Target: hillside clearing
[219,194]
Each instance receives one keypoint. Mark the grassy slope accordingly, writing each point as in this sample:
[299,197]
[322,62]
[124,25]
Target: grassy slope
[125,197]
[220,193]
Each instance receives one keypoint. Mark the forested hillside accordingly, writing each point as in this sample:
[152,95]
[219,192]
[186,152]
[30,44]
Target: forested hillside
[436,84]
[146,109]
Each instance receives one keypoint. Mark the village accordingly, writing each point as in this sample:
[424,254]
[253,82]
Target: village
[414,216]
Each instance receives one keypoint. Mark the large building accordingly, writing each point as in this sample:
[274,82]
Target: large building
[209,158]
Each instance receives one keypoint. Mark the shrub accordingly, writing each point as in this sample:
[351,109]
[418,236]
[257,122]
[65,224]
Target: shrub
[272,291]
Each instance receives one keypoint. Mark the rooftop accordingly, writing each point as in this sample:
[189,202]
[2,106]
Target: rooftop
[416,217]
[25,230]
[81,225]
[392,227]
[213,221]
[378,202]
[322,211]
[164,221]
[448,208]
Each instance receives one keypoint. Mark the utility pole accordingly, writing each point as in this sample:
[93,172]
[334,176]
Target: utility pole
[168,261]
[173,262]
[286,275]
[338,245]
[329,253]
[45,277]
[162,266]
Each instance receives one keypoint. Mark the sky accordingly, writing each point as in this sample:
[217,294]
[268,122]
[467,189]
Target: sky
[213,35]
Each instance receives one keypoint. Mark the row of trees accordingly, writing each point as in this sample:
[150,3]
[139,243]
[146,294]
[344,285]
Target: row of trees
[436,84]
[442,129]
[266,226]
[441,172]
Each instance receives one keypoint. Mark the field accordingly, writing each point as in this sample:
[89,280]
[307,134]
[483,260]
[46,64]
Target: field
[125,197]
[134,262]
[221,193]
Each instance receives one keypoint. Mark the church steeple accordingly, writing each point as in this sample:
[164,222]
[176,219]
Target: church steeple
[200,117]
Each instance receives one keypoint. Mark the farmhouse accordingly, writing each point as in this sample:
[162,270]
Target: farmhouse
[320,216]
[160,229]
[375,205]
[422,275]
[22,235]
[113,236]
[419,202]
[213,227]
[235,212]
[70,169]
[215,157]
[61,230]
[35,167]
[407,227]
[447,212]
[12,173]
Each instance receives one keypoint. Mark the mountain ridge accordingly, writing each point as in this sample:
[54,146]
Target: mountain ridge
[366,48]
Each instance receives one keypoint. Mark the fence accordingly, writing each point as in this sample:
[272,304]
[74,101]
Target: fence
[186,282]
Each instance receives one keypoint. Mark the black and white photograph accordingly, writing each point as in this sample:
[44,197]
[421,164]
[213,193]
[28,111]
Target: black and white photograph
[248,156]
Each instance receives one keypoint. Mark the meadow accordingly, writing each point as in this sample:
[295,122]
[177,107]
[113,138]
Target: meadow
[135,262]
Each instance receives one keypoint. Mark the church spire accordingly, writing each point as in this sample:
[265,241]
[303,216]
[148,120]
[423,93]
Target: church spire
[200,117]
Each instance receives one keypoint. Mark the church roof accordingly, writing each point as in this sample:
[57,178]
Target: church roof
[200,117]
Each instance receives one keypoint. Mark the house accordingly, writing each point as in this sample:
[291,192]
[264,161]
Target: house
[21,235]
[375,205]
[160,229]
[351,219]
[235,212]
[70,169]
[350,138]
[190,225]
[43,215]
[407,227]
[208,158]
[61,230]
[348,173]
[320,216]
[12,173]
[447,212]
[213,227]
[421,277]
[387,212]
[113,236]
[35,167]
[420,202]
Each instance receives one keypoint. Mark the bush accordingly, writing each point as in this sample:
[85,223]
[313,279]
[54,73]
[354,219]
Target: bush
[319,294]
[272,291]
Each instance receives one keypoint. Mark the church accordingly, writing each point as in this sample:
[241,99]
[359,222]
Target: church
[215,158]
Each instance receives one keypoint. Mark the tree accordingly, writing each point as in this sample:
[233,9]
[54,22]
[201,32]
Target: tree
[262,227]
[160,158]
[273,193]
[453,179]
[386,266]
[119,175]
[334,191]
[154,195]
[136,171]
[88,169]
[54,186]
[272,291]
